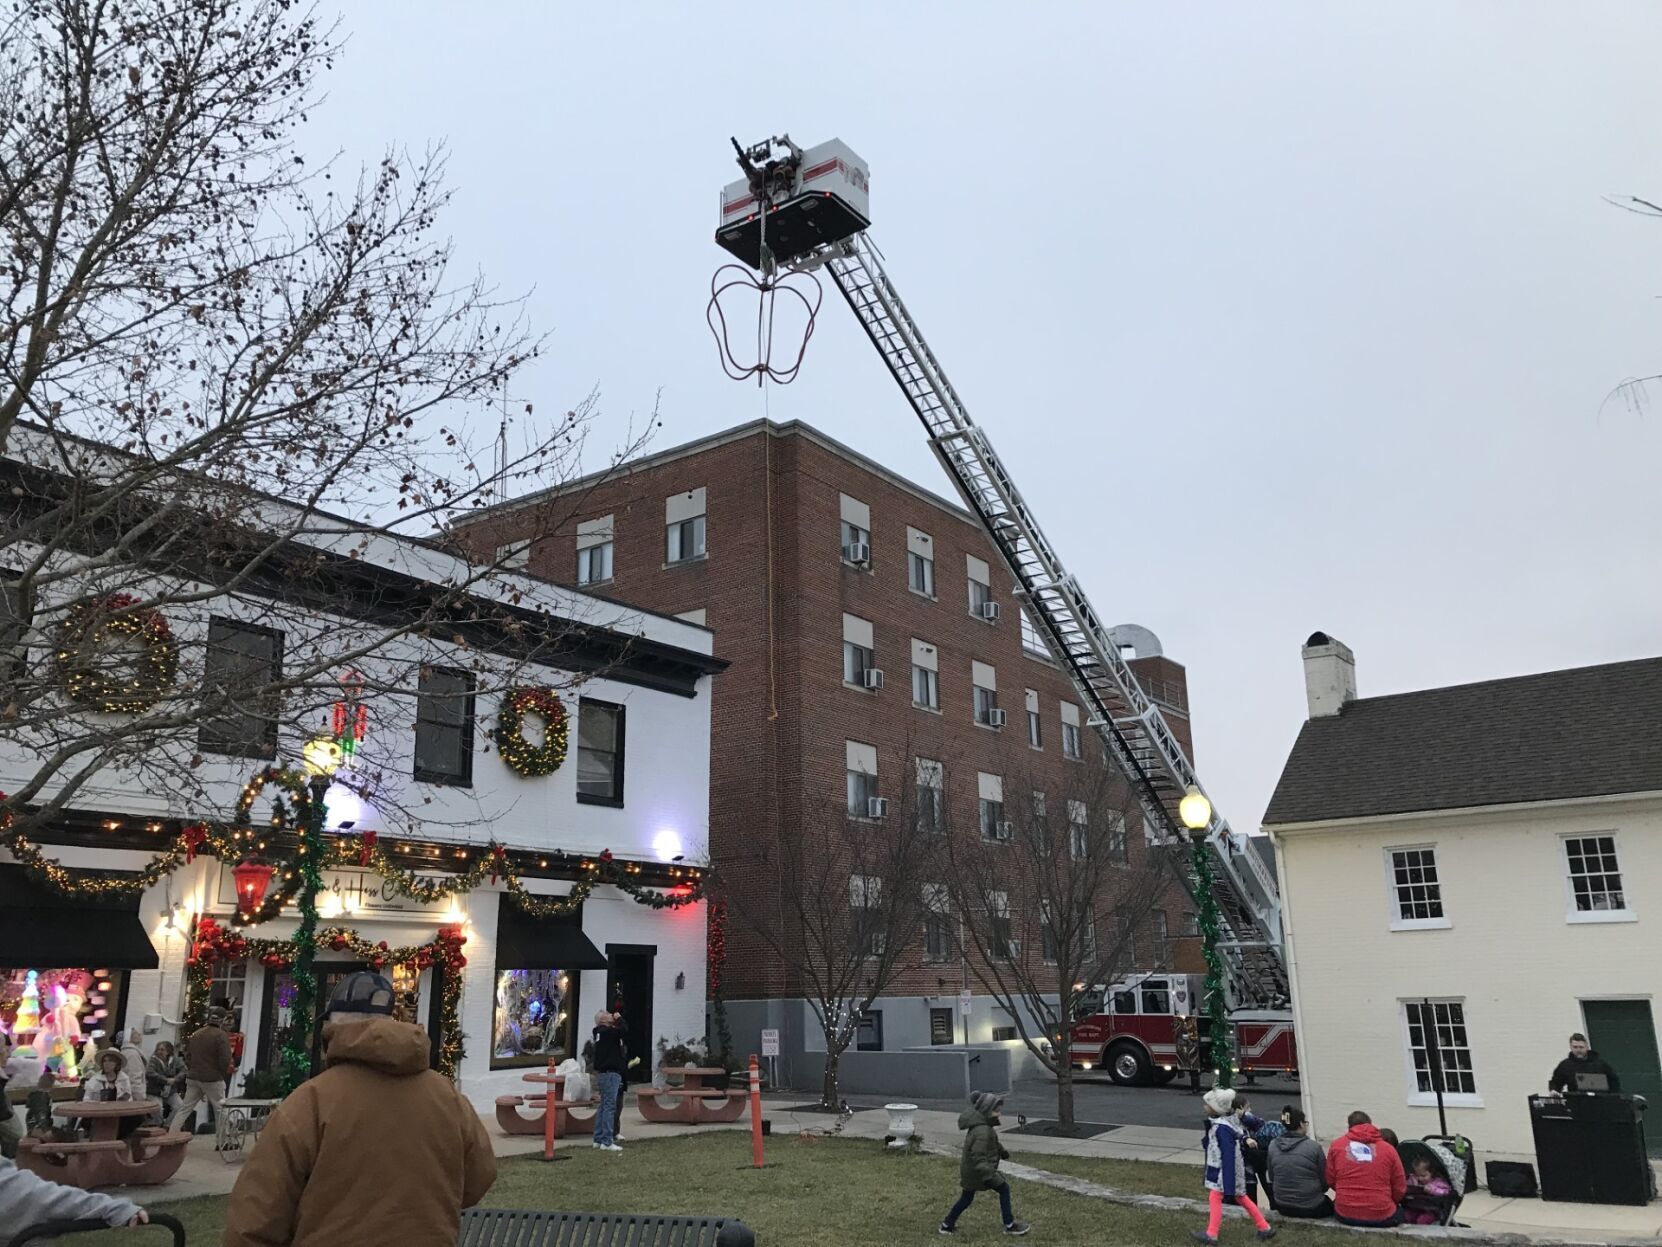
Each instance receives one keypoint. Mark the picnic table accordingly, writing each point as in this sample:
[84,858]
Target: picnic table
[151,1156]
[511,1120]
[693,1102]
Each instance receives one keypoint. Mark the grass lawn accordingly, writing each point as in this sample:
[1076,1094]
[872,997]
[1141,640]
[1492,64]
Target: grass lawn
[1145,1177]
[815,1193]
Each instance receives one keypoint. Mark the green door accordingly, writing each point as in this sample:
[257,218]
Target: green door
[1621,1031]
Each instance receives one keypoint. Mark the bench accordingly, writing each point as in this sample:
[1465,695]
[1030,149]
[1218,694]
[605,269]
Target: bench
[695,1105]
[143,1160]
[72,1149]
[505,1227]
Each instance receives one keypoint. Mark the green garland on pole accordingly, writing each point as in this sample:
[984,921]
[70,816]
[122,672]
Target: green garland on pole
[297,1054]
[1219,1048]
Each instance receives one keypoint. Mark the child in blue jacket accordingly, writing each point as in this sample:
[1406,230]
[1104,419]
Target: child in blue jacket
[1225,1167]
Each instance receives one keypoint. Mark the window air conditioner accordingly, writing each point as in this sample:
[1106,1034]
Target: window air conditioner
[996,717]
[1004,831]
[874,678]
[858,553]
[989,611]
[877,807]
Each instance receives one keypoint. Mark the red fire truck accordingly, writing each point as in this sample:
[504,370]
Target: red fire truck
[1130,1029]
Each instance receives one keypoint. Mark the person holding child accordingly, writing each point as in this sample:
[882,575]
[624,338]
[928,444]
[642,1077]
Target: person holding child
[1226,1170]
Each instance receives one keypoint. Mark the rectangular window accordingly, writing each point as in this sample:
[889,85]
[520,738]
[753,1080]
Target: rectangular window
[985,680]
[937,923]
[856,530]
[1000,946]
[1088,948]
[869,1036]
[513,556]
[1440,1026]
[599,752]
[1047,934]
[942,1027]
[1005,1034]
[991,791]
[859,654]
[684,525]
[980,580]
[865,901]
[931,784]
[861,761]
[1035,728]
[594,551]
[1416,893]
[1041,825]
[1031,641]
[1117,850]
[1595,878]
[1079,836]
[1162,935]
[444,726]
[242,664]
[926,682]
[1072,744]
[920,574]
[535,1017]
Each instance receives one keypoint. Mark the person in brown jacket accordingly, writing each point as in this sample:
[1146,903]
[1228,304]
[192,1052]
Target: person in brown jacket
[376,1151]
[207,1064]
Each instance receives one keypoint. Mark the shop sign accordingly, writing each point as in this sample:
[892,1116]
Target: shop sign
[354,892]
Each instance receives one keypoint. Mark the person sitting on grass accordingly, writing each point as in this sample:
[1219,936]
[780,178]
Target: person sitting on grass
[28,1200]
[1225,1169]
[1298,1170]
[978,1168]
[1366,1175]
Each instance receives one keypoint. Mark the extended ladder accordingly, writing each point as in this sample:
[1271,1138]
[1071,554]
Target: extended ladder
[1129,722]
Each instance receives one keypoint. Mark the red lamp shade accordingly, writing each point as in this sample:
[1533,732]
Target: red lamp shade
[253,878]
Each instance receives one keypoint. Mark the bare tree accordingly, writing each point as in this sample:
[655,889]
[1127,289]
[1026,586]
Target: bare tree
[228,377]
[849,911]
[1050,893]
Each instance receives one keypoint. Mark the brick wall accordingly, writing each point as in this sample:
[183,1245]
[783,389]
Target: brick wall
[775,590]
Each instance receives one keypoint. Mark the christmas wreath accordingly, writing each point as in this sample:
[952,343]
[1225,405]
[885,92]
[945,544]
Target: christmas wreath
[85,664]
[519,753]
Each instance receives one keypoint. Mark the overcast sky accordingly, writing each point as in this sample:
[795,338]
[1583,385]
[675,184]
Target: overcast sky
[1284,317]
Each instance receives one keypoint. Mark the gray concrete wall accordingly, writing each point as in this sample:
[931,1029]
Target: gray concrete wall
[935,1073]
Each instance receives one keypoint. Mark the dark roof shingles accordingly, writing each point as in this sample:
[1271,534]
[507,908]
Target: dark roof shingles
[1590,731]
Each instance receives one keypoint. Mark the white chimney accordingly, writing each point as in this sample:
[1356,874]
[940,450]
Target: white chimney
[1329,675]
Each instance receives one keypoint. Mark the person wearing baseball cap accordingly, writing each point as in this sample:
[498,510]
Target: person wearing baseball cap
[378,1150]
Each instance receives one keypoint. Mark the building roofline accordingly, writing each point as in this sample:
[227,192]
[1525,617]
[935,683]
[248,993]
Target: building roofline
[1499,809]
[735,433]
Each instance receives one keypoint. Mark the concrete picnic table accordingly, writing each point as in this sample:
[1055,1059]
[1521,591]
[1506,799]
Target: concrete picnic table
[693,1103]
[511,1121]
[151,1156]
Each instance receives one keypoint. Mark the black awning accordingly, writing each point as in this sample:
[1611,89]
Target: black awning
[42,929]
[524,942]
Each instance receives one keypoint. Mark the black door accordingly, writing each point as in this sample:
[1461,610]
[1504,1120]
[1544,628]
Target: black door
[629,992]
[277,1010]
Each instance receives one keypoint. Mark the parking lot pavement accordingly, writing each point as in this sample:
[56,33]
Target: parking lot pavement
[1099,1100]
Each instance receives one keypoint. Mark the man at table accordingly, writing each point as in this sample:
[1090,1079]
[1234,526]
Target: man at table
[376,1151]
[207,1065]
[1582,1063]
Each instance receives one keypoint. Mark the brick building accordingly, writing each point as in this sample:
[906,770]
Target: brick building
[813,565]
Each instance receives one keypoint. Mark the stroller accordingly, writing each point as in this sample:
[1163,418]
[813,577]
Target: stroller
[1444,1164]
[51,1229]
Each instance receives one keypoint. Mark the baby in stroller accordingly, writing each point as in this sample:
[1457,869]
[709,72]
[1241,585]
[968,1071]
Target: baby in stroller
[1435,1179]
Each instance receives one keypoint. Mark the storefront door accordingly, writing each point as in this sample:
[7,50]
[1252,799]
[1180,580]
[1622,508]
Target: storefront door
[1623,1033]
[629,990]
[277,1013]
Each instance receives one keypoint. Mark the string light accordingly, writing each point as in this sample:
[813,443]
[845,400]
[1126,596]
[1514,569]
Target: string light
[82,636]
[521,755]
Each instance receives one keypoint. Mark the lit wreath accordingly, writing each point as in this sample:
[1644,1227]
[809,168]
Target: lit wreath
[520,754]
[81,638]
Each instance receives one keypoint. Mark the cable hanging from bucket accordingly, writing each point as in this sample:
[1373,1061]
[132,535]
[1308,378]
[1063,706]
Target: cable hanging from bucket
[803,287]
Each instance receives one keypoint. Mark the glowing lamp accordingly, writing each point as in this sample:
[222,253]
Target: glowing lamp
[252,878]
[1195,810]
[667,845]
[321,755]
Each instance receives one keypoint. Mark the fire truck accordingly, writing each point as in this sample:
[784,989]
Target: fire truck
[1130,1029]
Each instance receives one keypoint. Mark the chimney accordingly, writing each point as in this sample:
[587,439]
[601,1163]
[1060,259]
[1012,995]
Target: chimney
[1329,675]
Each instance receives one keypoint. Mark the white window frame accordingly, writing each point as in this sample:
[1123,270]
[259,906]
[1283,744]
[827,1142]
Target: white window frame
[691,530]
[978,576]
[1415,1098]
[922,582]
[861,783]
[1079,831]
[588,557]
[930,776]
[1118,840]
[513,556]
[1580,916]
[931,681]
[1398,922]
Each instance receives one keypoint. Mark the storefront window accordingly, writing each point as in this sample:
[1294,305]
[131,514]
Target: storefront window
[534,1017]
[56,1015]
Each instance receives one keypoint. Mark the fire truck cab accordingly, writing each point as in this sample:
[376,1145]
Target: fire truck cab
[1130,1028]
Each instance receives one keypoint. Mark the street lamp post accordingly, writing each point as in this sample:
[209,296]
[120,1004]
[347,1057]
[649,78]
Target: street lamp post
[1196,812]
[321,764]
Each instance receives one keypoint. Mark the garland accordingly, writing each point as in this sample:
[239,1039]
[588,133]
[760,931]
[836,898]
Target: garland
[520,754]
[715,965]
[214,943]
[85,627]
[1219,1045]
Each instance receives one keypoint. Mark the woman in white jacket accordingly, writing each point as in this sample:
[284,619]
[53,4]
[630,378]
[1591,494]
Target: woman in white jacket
[111,1077]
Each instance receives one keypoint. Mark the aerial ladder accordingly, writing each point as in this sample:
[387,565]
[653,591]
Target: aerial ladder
[799,210]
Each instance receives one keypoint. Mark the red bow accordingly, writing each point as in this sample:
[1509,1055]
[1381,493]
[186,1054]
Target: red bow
[605,855]
[195,836]
[366,847]
[499,862]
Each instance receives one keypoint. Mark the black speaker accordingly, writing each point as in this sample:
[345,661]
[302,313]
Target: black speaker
[1591,1149]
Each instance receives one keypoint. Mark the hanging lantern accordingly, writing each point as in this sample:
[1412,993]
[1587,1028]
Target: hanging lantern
[253,878]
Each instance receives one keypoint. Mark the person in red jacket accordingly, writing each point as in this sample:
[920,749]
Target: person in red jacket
[1366,1175]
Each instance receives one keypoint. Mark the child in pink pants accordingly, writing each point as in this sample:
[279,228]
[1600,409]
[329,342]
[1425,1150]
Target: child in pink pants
[1225,1166]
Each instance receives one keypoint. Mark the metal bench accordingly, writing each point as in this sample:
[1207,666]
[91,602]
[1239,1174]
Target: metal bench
[505,1227]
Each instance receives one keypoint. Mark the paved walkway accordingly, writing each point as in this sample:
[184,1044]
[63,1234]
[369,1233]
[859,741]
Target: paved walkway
[206,1173]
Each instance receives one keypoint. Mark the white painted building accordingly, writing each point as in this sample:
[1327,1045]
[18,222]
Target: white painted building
[635,687]
[1483,863]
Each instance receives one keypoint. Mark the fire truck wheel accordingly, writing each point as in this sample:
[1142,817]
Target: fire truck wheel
[1129,1066]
